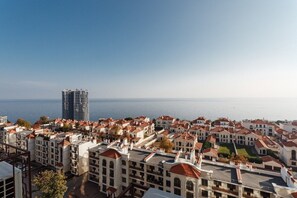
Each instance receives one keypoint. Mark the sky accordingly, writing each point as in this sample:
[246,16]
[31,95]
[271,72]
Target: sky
[148,49]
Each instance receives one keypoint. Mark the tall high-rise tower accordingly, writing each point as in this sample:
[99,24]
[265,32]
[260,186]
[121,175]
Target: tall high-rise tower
[75,104]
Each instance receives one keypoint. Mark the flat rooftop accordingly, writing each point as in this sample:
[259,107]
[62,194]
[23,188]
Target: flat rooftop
[222,173]
[6,170]
[261,181]
[250,179]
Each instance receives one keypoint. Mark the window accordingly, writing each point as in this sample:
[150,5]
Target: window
[104,162]
[123,162]
[204,193]
[111,182]
[231,187]
[190,195]
[104,179]
[104,171]
[168,183]
[293,163]
[204,182]
[190,185]
[217,183]
[123,170]
[293,155]
[111,173]
[124,180]
[177,191]
[111,165]
[177,182]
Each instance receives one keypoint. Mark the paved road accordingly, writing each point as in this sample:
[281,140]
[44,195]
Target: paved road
[80,187]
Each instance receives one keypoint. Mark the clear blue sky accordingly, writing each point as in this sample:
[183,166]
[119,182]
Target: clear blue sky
[139,49]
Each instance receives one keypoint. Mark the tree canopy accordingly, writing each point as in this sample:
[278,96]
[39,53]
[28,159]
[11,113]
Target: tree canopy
[24,123]
[50,184]
[166,144]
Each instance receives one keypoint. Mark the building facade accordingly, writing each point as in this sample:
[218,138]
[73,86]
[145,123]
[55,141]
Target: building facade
[114,169]
[75,104]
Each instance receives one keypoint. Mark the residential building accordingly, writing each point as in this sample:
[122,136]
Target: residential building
[288,154]
[79,156]
[289,126]
[75,104]
[264,126]
[10,181]
[165,121]
[116,167]
[53,149]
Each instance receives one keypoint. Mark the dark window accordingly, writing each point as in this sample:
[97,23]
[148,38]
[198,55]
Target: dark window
[111,182]
[293,155]
[177,191]
[217,183]
[123,170]
[104,171]
[204,193]
[190,195]
[104,162]
[204,182]
[123,179]
[177,182]
[167,183]
[190,185]
[111,165]
[123,162]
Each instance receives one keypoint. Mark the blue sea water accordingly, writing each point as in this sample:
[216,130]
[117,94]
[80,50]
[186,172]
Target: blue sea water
[233,108]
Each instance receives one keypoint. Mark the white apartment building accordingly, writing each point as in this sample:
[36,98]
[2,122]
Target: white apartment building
[164,121]
[10,184]
[289,126]
[264,126]
[26,141]
[115,168]
[79,156]
[288,153]
[53,149]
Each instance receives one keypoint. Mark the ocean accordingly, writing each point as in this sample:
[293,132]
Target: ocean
[233,108]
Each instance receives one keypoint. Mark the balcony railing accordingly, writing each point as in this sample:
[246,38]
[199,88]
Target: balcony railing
[225,190]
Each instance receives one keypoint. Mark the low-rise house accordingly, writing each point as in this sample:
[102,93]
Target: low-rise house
[288,153]
[264,144]
[185,142]
[289,126]
[165,121]
[224,123]
[267,128]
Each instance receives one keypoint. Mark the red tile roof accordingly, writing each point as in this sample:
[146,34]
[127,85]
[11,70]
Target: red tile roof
[111,153]
[186,170]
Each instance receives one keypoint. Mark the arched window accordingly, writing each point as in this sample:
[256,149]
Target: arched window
[190,185]
[111,164]
[104,162]
[293,155]
[177,182]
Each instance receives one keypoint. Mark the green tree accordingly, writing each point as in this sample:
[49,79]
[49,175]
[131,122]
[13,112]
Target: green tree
[24,123]
[206,145]
[44,120]
[166,144]
[50,184]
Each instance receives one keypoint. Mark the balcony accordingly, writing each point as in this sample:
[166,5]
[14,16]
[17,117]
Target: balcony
[225,190]
[136,168]
[136,177]
[248,195]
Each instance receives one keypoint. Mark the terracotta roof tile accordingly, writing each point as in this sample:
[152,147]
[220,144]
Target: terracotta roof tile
[186,170]
[111,153]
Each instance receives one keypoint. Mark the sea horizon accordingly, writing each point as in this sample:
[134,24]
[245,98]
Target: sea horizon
[183,108]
